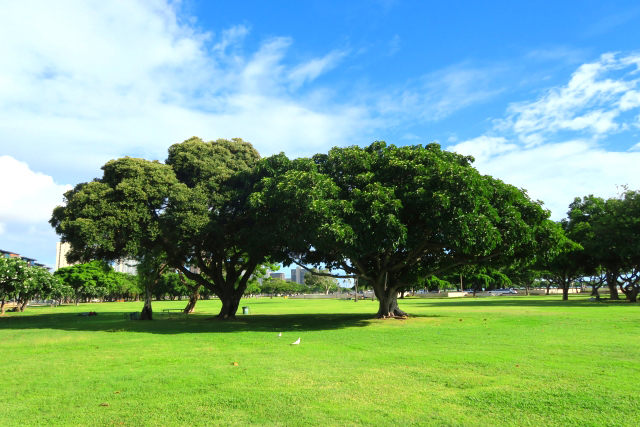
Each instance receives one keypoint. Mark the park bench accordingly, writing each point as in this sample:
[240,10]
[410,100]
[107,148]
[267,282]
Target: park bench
[178,311]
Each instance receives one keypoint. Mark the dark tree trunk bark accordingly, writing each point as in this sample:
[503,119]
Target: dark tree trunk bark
[612,283]
[631,292]
[548,288]
[594,291]
[229,307]
[565,292]
[2,307]
[147,312]
[193,299]
[388,303]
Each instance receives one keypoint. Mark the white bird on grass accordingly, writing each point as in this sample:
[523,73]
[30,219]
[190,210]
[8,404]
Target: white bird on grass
[297,342]
[280,334]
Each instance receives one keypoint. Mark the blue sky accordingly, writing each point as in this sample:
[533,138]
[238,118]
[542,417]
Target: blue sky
[545,95]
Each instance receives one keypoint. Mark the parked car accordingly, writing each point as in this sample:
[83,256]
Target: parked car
[497,292]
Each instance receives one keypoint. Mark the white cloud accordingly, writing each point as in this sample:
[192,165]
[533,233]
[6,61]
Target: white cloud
[557,173]
[231,37]
[591,102]
[411,136]
[484,147]
[312,69]
[439,94]
[89,81]
[27,197]
[530,148]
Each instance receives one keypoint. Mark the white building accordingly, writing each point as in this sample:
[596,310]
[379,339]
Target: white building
[61,255]
[128,266]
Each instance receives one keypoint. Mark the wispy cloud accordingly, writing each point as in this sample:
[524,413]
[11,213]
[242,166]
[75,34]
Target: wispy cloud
[439,94]
[609,22]
[102,80]
[310,70]
[556,145]
[394,45]
[591,102]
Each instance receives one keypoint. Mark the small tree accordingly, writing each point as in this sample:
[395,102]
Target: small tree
[320,283]
[13,271]
[88,280]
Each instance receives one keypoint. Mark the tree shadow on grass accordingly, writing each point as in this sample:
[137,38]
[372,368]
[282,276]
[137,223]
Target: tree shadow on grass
[195,323]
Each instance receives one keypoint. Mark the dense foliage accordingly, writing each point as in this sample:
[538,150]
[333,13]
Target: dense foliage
[21,283]
[211,217]
[392,215]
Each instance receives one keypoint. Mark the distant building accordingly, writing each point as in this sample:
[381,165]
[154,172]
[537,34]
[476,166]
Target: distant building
[297,275]
[277,276]
[8,254]
[31,262]
[128,266]
[62,249]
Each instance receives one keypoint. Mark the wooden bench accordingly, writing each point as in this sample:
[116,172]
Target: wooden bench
[168,311]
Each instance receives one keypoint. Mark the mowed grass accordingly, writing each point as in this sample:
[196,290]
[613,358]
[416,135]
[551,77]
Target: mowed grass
[502,361]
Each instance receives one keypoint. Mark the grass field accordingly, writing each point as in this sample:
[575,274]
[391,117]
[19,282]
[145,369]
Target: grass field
[503,361]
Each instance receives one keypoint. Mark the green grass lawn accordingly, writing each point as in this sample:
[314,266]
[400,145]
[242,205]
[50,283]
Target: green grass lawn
[502,361]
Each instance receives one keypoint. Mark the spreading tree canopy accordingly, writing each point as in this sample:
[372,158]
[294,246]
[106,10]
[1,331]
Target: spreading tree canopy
[391,215]
[192,209]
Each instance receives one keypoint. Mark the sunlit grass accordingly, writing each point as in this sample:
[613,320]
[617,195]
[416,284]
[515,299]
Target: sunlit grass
[477,362]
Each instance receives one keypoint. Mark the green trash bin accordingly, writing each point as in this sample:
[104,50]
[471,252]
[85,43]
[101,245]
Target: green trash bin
[245,310]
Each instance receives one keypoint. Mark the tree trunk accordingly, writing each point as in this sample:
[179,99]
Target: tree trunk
[388,300]
[548,288]
[565,292]
[229,307]
[631,292]
[193,299]
[147,312]
[2,307]
[594,291]
[612,283]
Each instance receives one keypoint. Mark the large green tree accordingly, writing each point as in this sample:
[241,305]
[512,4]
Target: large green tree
[391,215]
[193,209]
[609,230]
